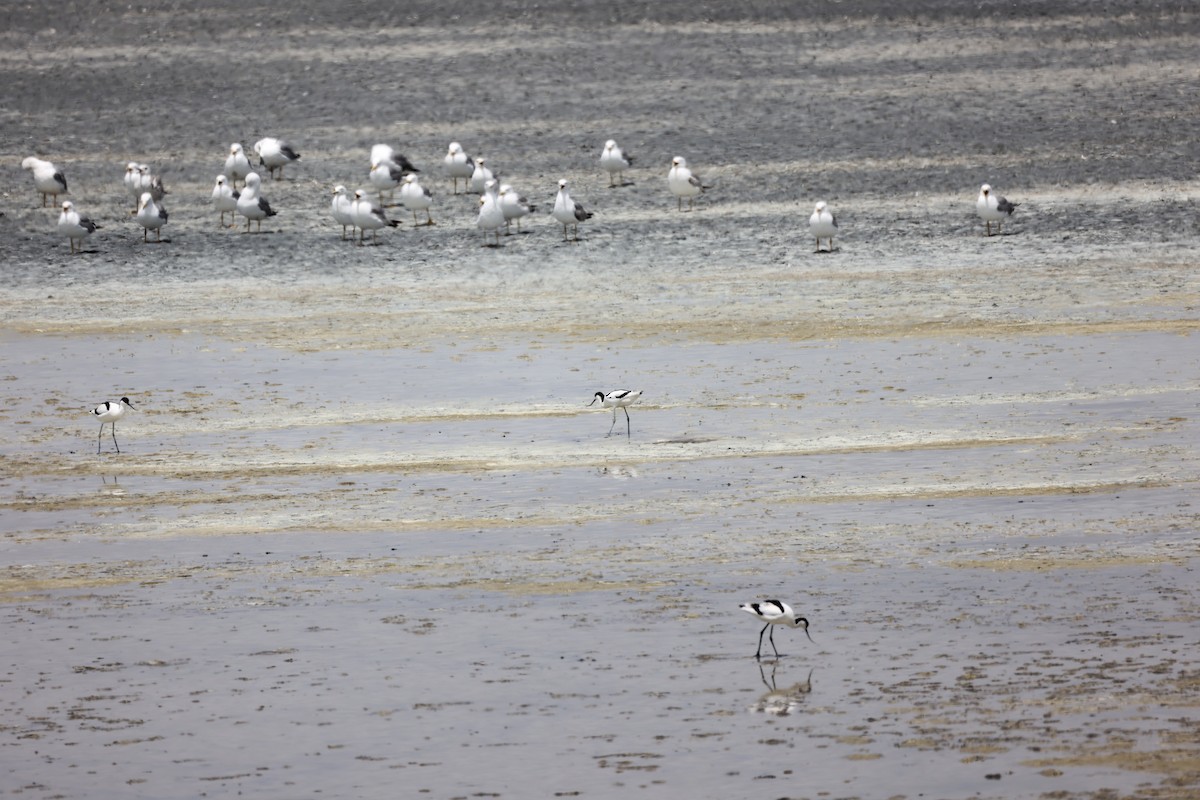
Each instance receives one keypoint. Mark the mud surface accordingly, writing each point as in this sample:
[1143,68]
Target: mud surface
[364,537]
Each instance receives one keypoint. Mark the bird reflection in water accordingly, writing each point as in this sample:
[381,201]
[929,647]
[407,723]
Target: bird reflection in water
[781,702]
[112,487]
[620,473]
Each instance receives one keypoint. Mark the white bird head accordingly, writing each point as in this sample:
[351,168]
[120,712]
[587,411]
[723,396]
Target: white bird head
[253,180]
[610,144]
[455,148]
[562,184]
[67,205]
[358,194]
[144,200]
[985,189]
[679,161]
[410,178]
[221,180]
[339,189]
[820,206]
[234,149]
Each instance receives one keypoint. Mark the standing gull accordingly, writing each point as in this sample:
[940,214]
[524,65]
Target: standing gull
[237,166]
[991,207]
[225,200]
[133,183]
[458,164]
[74,226]
[275,154]
[683,183]
[479,176]
[618,398]
[151,217]
[823,225]
[614,162]
[416,197]
[148,182]
[568,212]
[514,206]
[491,217]
[369,217]
[251,204]
[387,174]
[47,178]
[342,208]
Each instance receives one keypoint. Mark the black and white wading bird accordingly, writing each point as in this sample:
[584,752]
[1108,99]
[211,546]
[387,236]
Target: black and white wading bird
[109,412]
[991,207]
[774,612]
[618,398]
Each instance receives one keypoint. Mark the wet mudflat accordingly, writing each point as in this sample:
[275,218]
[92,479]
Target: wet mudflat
[363,535]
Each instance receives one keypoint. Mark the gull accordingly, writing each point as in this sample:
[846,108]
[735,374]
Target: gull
[491,217]
[514,206]
[992,207]
[618,398]
[614,162]
[133,183]
[275,154]
[416,197]
[458,164]
[47,178]
[225,200]
[151,217]
[150,183]
[74,225]
[109,412]
[383,152]
[773,612]
[386,174]
[480,175]
[342,208]
[237,166]
[251,204]
[683,183]
[369,217]
[568,212]
[823,225]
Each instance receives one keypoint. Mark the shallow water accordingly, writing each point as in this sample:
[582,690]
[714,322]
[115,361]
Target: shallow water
[364,535]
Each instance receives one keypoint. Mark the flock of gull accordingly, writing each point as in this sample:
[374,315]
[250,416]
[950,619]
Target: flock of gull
[500,205]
